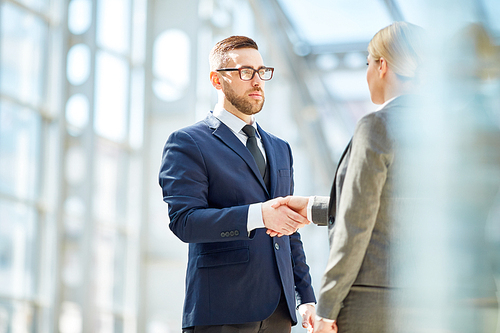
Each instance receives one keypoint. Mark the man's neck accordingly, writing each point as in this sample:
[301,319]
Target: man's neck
[230,108]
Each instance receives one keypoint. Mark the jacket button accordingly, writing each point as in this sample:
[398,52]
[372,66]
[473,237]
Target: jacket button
[236,233]
[231,233]
[223,234]
[276,246]
[331,220]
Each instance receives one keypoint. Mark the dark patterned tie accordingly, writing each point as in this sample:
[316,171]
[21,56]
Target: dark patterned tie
[254,148]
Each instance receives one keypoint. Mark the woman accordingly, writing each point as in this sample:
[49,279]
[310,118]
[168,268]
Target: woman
[356,287]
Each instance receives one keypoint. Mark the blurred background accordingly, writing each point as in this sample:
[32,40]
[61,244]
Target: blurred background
[91,89]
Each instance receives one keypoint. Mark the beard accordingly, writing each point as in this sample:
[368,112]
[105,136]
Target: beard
[242,104]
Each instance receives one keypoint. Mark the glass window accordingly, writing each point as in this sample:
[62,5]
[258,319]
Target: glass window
[327,62]
[19,151]
[243,18]
[326,21]
[16,317]
[17,238]
[79,16]
[120,272]
[71,318]
[74,209]
[414,12]
[107,173]
[131,278]
[113,25]
[47,266]
[78,66]
[4,316]
[111,96]
[104,267]
[106,323]
[22,47]
[75,165]
[418,13]
[171,67]
[77,111]
[355,60]
[348,85]
[139,31]
[137,108]
[132,207]
[72,265]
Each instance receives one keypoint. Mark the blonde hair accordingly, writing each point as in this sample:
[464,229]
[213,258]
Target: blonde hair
[400,44]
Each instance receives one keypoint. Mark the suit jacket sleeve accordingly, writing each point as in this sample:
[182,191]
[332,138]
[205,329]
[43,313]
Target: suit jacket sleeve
[319,210]
[302,278]
[357,212]
[185,184]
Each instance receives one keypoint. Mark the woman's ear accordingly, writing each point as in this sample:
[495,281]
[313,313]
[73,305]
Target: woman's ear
[382,67]
[214,78]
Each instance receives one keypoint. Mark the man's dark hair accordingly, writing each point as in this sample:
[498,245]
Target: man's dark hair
[218,55]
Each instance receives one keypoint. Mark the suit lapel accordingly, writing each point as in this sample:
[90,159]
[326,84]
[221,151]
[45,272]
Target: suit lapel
[332,206]
[221,131]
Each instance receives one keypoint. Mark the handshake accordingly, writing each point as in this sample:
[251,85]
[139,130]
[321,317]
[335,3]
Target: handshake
[284,216]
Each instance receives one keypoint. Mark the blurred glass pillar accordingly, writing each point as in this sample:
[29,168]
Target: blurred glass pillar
[449,237]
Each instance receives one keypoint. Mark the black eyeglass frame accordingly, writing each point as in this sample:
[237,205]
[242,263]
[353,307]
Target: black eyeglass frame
[246,67]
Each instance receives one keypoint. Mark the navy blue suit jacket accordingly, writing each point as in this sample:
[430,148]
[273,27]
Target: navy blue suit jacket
[209,179]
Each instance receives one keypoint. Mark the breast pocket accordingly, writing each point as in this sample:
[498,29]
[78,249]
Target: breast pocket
[284,183]
[285,173]
[223,257]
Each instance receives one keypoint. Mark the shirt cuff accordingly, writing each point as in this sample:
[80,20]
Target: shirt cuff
[326,320]
[310,303]
[309,208]
[300,305]
[254,219]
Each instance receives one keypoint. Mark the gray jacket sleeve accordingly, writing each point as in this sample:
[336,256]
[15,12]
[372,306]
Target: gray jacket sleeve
[319,210]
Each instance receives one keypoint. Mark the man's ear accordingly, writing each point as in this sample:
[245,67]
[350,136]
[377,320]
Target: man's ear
[214,78]
[382,67]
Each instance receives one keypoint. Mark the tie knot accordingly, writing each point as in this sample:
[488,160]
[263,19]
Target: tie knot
[249,130]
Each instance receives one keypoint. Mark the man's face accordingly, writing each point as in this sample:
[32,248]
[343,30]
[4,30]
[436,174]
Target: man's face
[245,97]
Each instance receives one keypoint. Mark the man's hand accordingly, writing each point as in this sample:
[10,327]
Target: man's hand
[296,203]
[308,313]
[281,220]
[325,326]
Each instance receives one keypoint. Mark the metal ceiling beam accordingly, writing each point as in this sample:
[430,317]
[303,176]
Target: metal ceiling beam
[339,48]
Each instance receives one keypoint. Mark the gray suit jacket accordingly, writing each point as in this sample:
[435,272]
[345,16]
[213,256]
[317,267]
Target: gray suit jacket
[359,214]
[378,221]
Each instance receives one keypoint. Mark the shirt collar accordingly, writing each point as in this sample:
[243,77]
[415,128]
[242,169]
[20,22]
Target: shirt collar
[231,121]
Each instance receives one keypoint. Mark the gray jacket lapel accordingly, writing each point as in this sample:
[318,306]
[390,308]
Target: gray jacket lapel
[332,206]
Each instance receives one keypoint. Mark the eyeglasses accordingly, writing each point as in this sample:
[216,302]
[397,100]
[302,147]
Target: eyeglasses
[247,73]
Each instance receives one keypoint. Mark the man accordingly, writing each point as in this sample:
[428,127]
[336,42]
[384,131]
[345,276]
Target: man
[217,177]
